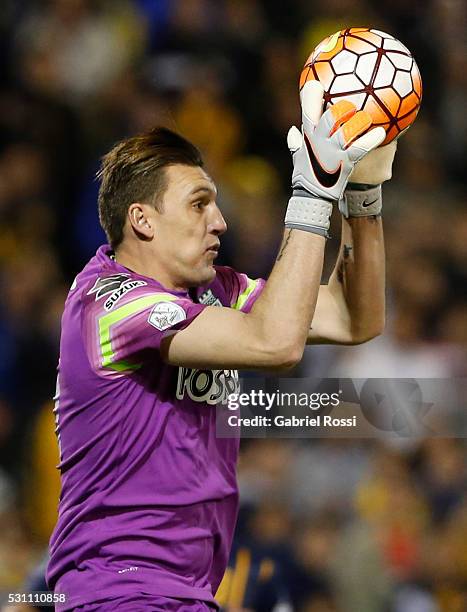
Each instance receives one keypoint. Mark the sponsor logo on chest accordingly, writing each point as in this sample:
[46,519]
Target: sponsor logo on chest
[107,284]
[117,285]
[119,293]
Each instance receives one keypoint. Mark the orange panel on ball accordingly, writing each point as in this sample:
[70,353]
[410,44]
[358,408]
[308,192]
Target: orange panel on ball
[376,111]
[409,103]
[390,135]
[357,45]
[417,82]
[325,74]
[390,99]
[404,123]
[306,75]
[371,37]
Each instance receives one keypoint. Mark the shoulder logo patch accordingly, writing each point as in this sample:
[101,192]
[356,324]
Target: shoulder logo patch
[166,314]
[108,284]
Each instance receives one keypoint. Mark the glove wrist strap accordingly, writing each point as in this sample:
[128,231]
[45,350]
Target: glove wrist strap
[309,214]
[366,202]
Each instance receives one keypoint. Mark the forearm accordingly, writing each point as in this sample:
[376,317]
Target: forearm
[287,304]
[358,280]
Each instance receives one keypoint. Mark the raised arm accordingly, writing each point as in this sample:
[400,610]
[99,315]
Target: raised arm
[274,333]
[223,337]
[351,308]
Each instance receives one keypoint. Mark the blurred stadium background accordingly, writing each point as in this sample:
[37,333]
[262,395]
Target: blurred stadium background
[357,526]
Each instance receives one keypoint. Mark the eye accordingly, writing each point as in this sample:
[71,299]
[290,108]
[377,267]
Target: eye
[198,204]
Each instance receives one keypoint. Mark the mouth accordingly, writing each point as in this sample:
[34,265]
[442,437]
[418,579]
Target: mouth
[213,249]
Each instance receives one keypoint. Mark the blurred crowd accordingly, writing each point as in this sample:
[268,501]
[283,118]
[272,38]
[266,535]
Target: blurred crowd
[358,527]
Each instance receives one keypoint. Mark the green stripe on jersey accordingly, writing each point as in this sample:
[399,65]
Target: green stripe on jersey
[242,298]
[107,321]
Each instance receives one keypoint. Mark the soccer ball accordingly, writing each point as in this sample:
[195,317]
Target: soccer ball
[371,69]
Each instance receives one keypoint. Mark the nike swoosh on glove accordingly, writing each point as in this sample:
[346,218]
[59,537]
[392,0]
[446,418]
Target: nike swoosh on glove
[324,154]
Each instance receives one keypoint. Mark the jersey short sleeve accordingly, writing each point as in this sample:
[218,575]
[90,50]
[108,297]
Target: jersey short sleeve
[242,291]
[117,335]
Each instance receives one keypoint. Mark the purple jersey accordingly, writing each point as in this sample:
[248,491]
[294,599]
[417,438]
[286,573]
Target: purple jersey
[149,494]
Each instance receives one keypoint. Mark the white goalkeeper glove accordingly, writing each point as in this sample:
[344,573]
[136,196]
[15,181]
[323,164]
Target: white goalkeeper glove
[324,155]
[362,197]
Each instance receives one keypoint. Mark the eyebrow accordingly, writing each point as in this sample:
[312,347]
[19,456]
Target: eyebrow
[208,190]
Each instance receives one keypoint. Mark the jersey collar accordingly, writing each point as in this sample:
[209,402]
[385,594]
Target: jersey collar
[105,257]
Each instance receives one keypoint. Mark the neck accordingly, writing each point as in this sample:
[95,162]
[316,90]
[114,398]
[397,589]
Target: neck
[142,262]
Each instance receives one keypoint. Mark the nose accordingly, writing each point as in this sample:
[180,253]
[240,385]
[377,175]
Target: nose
[217,224]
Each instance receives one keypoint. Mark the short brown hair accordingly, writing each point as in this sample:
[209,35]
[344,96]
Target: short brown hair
[134,171]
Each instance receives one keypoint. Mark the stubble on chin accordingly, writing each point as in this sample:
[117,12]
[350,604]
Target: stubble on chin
[204,277]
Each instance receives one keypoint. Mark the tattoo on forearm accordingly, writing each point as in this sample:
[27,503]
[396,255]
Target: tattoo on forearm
[284,246]
[343,261]
[340,272]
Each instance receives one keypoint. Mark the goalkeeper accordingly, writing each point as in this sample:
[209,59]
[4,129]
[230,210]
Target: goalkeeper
[152,333]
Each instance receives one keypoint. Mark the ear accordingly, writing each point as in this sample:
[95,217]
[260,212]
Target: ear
[141,220]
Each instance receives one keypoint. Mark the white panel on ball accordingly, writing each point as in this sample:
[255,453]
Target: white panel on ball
[385,73]
[357,99]
[345,83]
[383,34]
[400,60]
[344,62]
[394,45]
[365,66]
[403,83]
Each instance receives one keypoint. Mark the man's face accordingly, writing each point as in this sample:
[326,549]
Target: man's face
[187,230]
